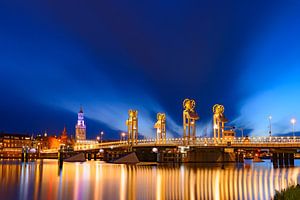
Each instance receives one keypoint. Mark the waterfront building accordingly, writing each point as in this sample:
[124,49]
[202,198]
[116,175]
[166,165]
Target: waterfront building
[80,133]
[41,142]
[11,145]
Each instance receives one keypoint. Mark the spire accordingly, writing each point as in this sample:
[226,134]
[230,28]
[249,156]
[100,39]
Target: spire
[81,110]
[64,133]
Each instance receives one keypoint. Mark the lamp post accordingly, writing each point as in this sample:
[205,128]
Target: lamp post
[101,136]
[123,136]
[293,121]
[270,126]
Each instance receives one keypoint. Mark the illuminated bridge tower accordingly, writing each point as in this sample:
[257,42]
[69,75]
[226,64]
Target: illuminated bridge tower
[160,126]
[219,121]
[132,125]
[80,133]
[189,120]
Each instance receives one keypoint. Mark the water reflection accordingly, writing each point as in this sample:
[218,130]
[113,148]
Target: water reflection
[98,180]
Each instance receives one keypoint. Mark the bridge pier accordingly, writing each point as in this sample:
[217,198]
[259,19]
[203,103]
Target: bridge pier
[211,155]
[291,159]
[239,157]
[89,156]
[95,156]
[165,157]
[24,157]
[275,160]
[286,159]
[280,159]
[283,159]
[60,157]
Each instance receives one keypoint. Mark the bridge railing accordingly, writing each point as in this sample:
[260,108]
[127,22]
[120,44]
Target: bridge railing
[203,141]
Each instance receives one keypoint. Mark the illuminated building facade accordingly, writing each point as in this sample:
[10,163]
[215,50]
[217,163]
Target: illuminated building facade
[189,120]
[80,133]
[11,144]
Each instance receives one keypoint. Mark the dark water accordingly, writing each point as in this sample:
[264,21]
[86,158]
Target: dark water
[98,180]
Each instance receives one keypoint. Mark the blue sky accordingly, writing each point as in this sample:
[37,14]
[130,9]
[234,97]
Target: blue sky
[113,56]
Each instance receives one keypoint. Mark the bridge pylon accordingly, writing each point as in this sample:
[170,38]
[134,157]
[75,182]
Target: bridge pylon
[189,121]
[160,126]
[132,125]
[219,121]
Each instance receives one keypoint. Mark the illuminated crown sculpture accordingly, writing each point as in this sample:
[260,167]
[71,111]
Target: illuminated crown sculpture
[132,125]
[160,126]
[219,121]
[189,120]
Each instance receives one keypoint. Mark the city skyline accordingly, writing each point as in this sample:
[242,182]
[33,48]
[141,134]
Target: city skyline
[111,58]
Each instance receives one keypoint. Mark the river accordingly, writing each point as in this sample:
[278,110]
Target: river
[42,179]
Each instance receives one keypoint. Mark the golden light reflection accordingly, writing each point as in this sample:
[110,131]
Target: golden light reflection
[97,180]
[123,183]
[217,184]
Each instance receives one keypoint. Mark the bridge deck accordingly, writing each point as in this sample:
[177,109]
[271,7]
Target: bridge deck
[259,142]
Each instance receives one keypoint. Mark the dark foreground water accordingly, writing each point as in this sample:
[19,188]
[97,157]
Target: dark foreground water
[97,180]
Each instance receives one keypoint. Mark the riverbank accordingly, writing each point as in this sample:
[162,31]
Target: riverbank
[290,193]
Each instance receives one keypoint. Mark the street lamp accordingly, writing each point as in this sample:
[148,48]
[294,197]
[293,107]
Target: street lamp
[270,126]
[101,136]
[123,135]
[293,121]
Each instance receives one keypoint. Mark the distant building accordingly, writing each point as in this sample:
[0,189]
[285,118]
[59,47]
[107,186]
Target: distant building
[42,142]
[11,144]
[80,127]
[64,136]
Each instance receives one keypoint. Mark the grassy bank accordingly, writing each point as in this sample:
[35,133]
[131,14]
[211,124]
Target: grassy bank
[290,193]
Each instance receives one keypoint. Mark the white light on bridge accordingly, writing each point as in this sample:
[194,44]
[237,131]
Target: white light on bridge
[155,150]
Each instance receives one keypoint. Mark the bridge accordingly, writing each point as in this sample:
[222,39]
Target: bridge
[239,142]
[224,146]
[281,149]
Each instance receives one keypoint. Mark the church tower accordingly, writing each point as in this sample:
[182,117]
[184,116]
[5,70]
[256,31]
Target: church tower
[80,126]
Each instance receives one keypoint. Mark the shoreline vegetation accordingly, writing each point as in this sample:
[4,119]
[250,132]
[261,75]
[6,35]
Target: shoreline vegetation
[290,193]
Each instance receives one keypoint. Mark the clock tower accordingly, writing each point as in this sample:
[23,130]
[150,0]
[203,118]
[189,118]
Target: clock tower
[80,126]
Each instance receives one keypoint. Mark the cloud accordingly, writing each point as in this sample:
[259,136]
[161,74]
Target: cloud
[270,79]
[282,103]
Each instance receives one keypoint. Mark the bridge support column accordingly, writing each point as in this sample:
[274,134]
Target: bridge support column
[291,159]
[275,160]
[60,158]
[95,156]
[286,159]
[240,157]
[25,155]
[89,156]
[280,159]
